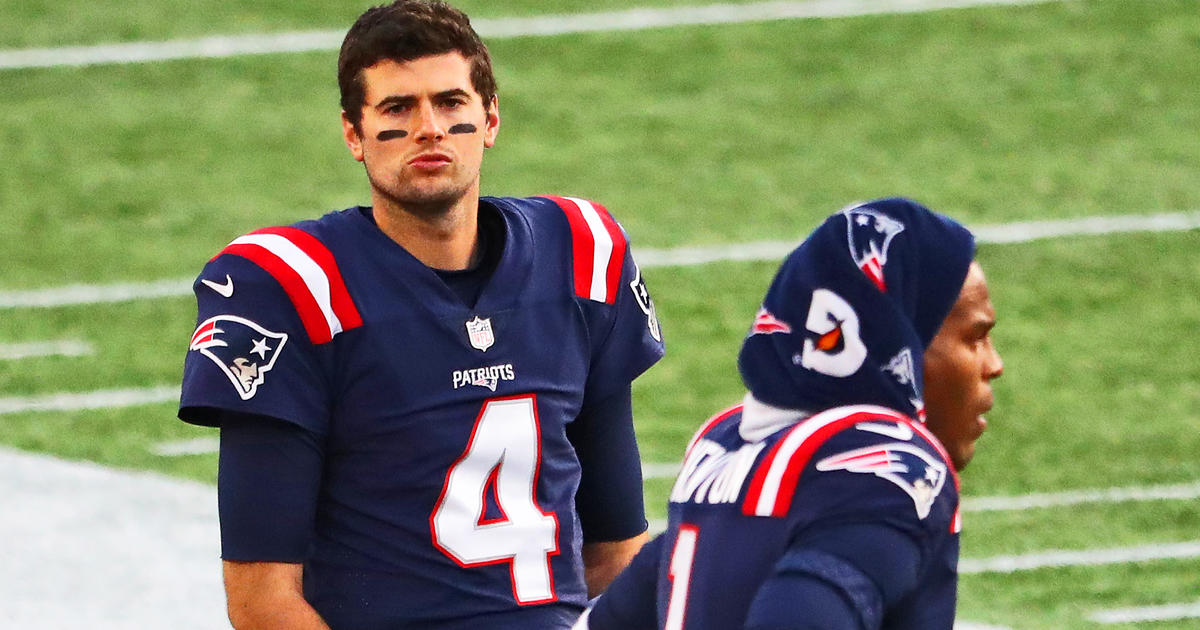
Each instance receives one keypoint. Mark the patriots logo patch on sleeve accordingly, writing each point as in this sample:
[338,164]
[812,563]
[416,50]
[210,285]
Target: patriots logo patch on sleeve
[909,467]
[243,350]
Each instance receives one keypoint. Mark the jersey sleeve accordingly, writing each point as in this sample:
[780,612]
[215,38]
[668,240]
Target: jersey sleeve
[268,481]
[633,340]
[609,500]
[623,327]
[250,352]
[860,469]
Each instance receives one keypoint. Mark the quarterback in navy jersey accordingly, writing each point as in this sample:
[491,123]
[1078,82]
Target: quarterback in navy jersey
[828,499]
[424,404]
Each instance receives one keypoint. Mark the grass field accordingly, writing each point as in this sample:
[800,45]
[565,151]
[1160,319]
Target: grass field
[692,136]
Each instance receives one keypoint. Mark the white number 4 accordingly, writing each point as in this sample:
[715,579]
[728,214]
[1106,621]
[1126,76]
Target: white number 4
[505,440]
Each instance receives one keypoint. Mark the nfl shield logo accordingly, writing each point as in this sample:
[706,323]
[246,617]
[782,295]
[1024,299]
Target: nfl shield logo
[480,333]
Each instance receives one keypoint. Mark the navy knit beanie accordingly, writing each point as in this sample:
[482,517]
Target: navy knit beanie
[851,310]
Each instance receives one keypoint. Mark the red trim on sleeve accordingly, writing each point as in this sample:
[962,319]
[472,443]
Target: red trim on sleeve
[617,260]
[339,295]
[583,245]
[302,299]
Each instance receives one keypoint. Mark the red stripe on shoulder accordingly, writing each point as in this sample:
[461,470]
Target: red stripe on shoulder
[709,425]
[617,260]
[583,245]
[780,470]
[339,296]
[297,291]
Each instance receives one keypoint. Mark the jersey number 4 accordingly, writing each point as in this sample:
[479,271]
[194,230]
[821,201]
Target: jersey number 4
[503,453]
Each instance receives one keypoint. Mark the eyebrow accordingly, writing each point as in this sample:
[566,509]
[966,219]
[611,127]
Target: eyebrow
[409,99]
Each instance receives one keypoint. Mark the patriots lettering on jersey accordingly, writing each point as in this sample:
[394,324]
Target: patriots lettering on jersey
[713,475]
[488,377]
[642,295]
[242,349]
[907,466]
[870,234]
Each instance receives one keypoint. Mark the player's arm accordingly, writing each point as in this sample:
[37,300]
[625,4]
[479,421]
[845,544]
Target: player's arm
[268,595]
[629,603]
[837,577]
[609,501]
[267,484]
[603,561]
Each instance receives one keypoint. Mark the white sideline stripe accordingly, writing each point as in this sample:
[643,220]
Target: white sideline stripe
[494,28]
[1166,612]
[659,470]
[1178,492]
[1021,232]
[93,547]
[1089,557]
[34,349]
[101,399]
[681,256]
[79,294]
[196,446]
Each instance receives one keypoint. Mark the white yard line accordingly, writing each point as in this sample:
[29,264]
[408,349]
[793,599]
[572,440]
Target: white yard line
[1176,492]
[493,28]
[79,294]
[1022,232]
[35,349]
[195,446]
[1086,557]
[101,399]
[1166,612]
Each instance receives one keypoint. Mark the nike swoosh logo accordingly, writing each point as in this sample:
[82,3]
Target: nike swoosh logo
[895,431]
[224,290]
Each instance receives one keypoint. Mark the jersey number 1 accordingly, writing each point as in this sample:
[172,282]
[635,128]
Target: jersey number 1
[504,447]
[680,572]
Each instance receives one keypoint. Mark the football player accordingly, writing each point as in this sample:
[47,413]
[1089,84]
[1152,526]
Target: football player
[828,500]
[424,404]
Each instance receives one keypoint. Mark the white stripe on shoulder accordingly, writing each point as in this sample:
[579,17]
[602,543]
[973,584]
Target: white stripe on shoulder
[601,253]
[792,443]
[310,272]
[901,432]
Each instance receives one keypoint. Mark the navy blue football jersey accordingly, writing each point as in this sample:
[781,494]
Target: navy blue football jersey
[449,483]
[744,513]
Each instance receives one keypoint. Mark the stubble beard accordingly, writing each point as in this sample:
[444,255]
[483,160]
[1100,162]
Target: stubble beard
[428,203]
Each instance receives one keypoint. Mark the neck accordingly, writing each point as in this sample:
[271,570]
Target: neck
[440,236]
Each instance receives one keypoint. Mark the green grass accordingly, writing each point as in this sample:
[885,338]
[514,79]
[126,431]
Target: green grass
[691,136]
[45,23]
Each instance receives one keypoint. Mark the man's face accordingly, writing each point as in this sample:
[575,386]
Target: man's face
[423,131]
[959,366]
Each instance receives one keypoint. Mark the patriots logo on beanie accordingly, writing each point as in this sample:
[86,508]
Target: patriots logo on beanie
[870,234]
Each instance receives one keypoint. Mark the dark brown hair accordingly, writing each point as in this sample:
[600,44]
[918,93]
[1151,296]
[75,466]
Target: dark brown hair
[403,31]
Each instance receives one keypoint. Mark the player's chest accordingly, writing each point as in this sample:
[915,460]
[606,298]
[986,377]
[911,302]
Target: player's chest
[409,365]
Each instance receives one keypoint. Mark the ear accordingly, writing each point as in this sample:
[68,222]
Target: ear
[491,124]
[353,139]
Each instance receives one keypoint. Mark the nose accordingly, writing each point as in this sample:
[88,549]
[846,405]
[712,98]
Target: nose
[993,365]
[428,128]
